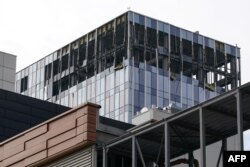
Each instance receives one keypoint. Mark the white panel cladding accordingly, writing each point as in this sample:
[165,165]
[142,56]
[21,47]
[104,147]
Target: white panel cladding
[81,158]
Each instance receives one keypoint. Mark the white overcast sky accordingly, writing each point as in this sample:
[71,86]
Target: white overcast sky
[32,29]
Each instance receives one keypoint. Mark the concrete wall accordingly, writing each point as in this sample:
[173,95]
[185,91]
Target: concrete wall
[7,71]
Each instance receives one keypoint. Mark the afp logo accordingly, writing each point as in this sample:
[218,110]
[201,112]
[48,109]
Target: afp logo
[236,158]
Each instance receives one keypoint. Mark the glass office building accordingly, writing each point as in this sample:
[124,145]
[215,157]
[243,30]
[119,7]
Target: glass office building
[131,62]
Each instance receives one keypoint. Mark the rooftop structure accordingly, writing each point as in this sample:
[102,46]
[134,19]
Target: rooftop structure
[7,71]
[151,115]
[131,62]
[79,137]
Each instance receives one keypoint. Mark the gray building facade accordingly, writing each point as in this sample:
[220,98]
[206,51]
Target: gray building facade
[7,71]
[131,62]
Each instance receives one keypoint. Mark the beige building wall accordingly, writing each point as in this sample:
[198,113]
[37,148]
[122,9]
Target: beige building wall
[53,140]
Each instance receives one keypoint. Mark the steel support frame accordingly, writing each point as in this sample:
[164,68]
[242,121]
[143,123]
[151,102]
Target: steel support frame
[166,125]
[239,137]
[190,159]
[144,130]
[223,148]
[104,157]
[167,144]
[140,152]
[202,138]
[134,153]
[159,153]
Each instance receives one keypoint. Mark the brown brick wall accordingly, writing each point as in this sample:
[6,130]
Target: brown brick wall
[64,133]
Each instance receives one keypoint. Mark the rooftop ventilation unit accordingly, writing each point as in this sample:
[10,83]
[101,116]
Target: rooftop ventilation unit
[149,115]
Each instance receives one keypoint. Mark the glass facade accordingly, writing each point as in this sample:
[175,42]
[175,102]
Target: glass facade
[131,62]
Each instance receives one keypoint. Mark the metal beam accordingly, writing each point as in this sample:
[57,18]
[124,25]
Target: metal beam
[134,156]
[128,39]
[180,136]
[136,133]
[170,119]
[127,153]
[239,70]
[190,159]
[203,104]
[246,92]
[240,145]
[159,153]
[167,144]
[224,143]
[140,153]
[104,157]
[218,98]
[174,145]
[119,141]
[183,114]
[194,128]
[147,129]
[223,148]
[227,114]
[202,138]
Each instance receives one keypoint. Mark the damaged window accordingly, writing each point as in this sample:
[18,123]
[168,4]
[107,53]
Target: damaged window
[82,54]
[55,88]
[109,60]
[64,83]
[139,34]
[139,54]
[220,55]
[91,48]
[120,34]
[198,52]
[151,32]
[175,40]
[187,47]
[90,70]
[48,71]
[209,56]
[73,57]
[65,60]
[24,84]
[163,39]
[73,79]
[82,74]
[119,57]
[55,67]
